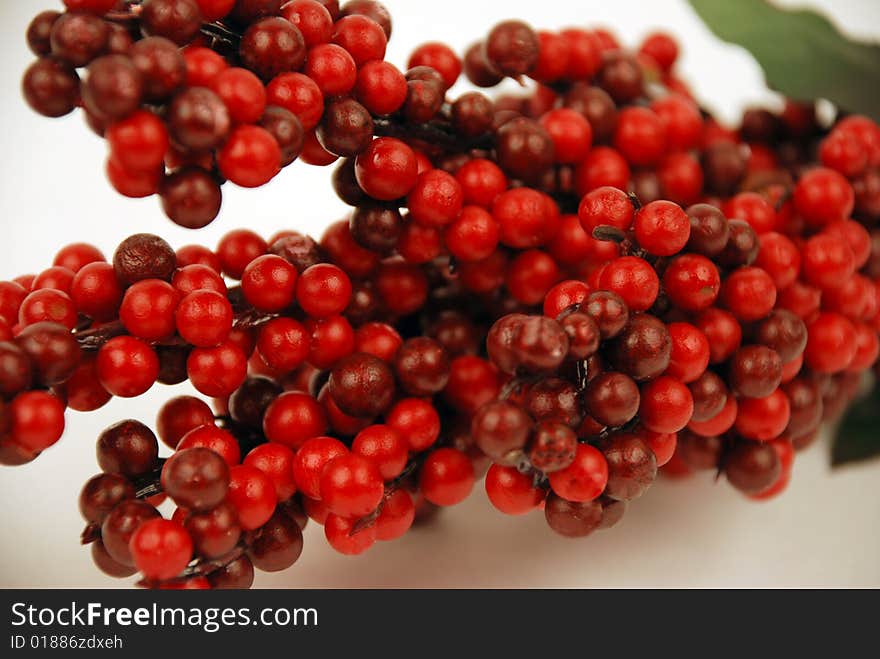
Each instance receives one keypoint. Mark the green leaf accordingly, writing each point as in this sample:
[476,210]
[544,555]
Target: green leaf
[858,436]
[802,53]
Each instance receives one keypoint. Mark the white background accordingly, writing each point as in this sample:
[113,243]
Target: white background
[823,532]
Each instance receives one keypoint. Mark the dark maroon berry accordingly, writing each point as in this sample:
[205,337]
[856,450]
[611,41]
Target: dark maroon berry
[570,519]
[362,385]
[632,467]
[752,467]
[128,448]
[552,447]
[144,256]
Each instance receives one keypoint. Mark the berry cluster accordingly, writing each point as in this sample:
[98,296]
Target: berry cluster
[566,290]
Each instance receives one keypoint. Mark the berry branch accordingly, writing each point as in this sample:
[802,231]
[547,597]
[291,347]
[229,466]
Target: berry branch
[567,291]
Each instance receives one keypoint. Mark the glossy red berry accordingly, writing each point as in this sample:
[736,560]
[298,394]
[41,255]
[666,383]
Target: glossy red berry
[269,283]
[447,477]
[204,318]
[127,367]
[662,228]
[293,418]
[252,493]
[217,371]
[351,486]
[822,196]
[277,462]
[37,420]
[512,492]
[584,479]
[387,170]
[251,157]
[161,549]
[692,282]
[749,293]
[417,421]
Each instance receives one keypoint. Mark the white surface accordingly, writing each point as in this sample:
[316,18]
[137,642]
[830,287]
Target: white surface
[823,532]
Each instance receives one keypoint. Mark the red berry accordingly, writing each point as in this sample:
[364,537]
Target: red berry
[127,367]
[584,479]
[571,134]
[436,199]
[252,493]
[242,93]
[447,477]
[250,158]
[823,196]
[633,279]
[640,136]
[37,420]
[662,444]
[396,516]
[294,417]
[209,436]
[481,181]
[403,287]
[331,340]
[723,331]
[332,68]
[662,48]
[217,371]
[148,308]
[269,283]
[564,295]
[387,169]
[749,293]
[779,257]
[339,533]
[666,405]
[195,277]
[690,352]
[831,343]
[75,256]
[754,209]
[50,305]
[323,290]
[512,492]
[161,549]
[681,120]
[692,282]
[417,421]
[237,249]
[385,447]
[662,228]
[377,339]
[718,424]
[604,166]
[310,460]
[362,37]
[276,461]
[204,318]
[828,261]
[380,87]
[351,486]
[138,142]
[473,236]
[283,344]
[526,217]
[439,57]
[203,65]
[300,95]
[96,291]
[605,206]
[763,419]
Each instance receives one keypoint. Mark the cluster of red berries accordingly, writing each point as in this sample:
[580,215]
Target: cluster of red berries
[565,291]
